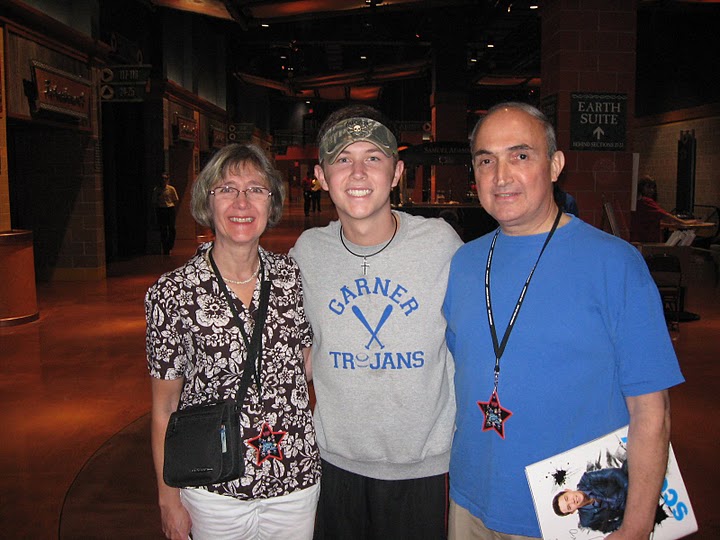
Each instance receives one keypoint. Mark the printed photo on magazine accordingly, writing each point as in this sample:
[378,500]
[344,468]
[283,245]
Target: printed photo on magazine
[580,494]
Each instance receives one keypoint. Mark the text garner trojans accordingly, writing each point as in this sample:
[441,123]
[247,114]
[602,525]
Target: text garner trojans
[372,353]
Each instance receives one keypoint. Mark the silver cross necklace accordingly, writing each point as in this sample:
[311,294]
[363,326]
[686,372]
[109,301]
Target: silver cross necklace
[365,265]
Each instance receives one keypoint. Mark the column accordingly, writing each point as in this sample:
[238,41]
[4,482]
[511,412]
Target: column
[448,104]
[588,62]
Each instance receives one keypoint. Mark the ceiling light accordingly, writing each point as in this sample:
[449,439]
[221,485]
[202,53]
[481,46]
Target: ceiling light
[533,6]
[265,25]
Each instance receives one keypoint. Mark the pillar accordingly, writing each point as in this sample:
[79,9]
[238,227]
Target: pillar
[588,48]
[18,297]
[448,105]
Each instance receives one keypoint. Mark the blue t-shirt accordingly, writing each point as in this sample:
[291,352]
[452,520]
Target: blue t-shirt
[591,331]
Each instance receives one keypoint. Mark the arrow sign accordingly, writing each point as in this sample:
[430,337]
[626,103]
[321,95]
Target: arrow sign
[125,74]
[597,121]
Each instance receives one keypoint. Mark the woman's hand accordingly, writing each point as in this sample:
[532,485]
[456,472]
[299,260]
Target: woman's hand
[176,522]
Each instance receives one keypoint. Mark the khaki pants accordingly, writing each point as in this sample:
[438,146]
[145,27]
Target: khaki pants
[462,525]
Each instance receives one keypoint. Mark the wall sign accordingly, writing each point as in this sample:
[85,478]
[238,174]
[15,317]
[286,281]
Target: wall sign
[218,137]
[240,132]
[60,92]
[124,82]
[598,121]
[186,129]
[437,153]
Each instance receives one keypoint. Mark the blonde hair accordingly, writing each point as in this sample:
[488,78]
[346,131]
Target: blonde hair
[229,159]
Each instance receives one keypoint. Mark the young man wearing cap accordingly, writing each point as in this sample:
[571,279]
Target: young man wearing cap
[374,284]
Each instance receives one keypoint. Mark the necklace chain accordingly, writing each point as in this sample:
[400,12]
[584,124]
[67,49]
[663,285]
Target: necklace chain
[366,257]
[246,281]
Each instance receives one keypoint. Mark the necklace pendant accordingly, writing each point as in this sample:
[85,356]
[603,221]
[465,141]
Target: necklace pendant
[267,444]
[365,266]
[495,415]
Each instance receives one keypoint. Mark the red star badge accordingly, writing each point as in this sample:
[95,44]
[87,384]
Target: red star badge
[495,415]
[267,443]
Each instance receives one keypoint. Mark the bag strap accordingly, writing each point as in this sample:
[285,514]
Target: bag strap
[253,345]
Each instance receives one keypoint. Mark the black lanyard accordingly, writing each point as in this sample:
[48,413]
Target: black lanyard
[500,348]
[254,346]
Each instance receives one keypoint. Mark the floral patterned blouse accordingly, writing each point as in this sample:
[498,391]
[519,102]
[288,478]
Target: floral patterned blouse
[191,333]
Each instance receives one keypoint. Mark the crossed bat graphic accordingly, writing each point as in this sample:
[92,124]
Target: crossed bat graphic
[373,333]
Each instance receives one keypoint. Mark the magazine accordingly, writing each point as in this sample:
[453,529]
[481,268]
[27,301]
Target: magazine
[598,468]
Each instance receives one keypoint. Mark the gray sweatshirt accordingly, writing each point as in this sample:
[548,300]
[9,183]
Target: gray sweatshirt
[383,375]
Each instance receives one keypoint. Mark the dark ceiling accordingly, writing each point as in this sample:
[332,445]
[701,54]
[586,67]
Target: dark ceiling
[400,51]
[339,50]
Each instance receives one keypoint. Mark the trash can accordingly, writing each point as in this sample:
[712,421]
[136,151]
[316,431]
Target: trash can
[18,296]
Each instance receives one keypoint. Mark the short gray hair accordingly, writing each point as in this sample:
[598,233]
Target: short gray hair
[227,160]
[550,138]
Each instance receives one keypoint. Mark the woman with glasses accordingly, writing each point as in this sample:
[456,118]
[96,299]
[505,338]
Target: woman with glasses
[199,319]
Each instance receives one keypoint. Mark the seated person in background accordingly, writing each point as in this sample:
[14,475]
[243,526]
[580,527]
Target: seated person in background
[646,221]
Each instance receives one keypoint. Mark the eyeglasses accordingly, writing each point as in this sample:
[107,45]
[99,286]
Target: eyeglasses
[252,194]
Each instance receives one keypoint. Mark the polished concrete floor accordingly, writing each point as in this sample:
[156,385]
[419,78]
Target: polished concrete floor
[75,396]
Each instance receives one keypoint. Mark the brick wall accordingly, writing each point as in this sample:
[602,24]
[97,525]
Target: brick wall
[61,200]
[589,46]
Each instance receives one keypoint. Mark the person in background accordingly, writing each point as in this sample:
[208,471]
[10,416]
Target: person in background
[646,222]
[196,354]
[374,283]
[165,198]
[316,193]
[307,185]
[565,201]
[558,336]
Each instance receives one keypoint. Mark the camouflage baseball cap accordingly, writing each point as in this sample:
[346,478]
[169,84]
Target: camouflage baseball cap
[352,130]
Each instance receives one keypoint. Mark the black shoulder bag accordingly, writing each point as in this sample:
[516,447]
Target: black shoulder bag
[202,443]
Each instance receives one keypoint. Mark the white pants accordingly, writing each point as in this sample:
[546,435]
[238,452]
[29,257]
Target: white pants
[219,517]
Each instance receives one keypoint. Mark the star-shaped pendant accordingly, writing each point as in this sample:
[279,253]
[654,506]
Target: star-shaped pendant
[495,415]
[267,443]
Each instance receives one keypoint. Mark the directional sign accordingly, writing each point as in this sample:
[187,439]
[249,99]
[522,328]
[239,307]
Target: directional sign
[124,82]
[122,92]
[125,74]
[597,121]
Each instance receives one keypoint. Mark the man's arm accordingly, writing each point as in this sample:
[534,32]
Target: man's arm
[648,441]
[174,195]
[668,219]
